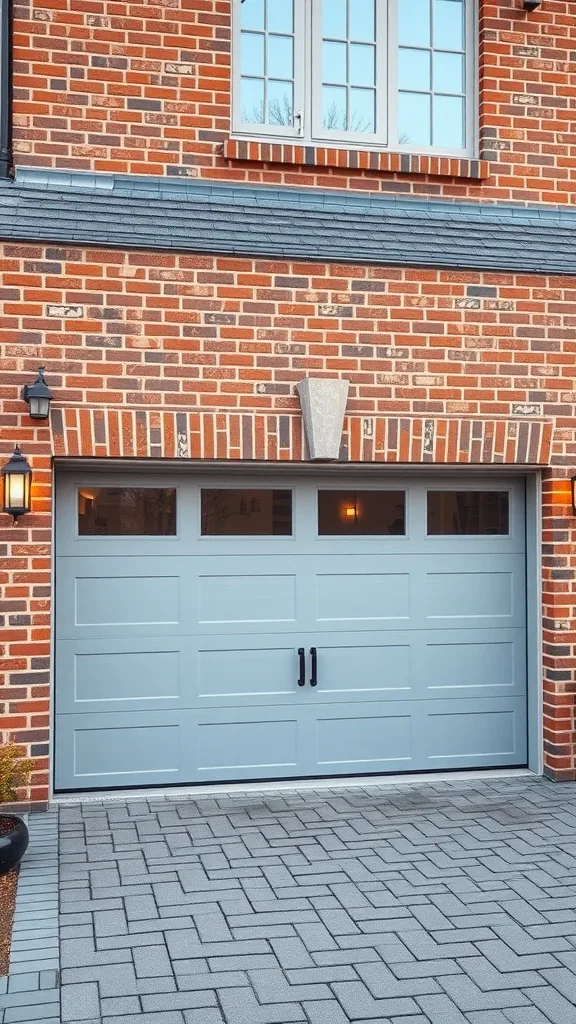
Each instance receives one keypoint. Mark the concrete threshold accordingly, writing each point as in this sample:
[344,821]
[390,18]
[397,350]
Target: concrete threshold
[211,790]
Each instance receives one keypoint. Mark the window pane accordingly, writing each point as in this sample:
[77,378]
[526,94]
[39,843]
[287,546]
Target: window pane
[127,511]
[242,512]
[362,110]
[334,62]
[279,59]
[414,69]
[252,53]
[467,512]
[362,20]
[280,102]
[414,22]
[334,19]
[334,108]
[280,15]
[414,119]
[448,72]
[448,24]
[449,122]
[252,100]
[361,513]
[362,70]
[252,14]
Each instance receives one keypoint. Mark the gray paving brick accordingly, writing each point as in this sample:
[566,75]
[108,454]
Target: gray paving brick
[80,1002]
[207,1015]
[178,1000]
[328,1011]
[152,962]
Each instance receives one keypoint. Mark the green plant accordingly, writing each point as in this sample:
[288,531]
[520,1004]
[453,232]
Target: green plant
[15,771]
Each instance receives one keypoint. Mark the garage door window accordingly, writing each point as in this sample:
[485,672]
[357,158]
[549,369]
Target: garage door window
[361,513]
[127,511]
[471,513]
[241,512]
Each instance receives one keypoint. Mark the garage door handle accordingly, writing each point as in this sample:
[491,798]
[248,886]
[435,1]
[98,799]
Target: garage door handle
[302,676]
[314,656]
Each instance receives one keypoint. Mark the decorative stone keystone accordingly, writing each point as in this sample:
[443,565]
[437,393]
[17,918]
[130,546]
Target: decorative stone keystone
[323,402]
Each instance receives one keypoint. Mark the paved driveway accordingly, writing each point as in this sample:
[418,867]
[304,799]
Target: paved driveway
[442,903]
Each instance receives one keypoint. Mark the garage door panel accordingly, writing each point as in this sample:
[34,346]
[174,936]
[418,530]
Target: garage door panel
[372,739]
[247,599]
[478,590]
[355,667]
[107,597]
[357,597]
[248,746]
[467,663]
[258,672]
[476,733]
[139,748]
[123,675]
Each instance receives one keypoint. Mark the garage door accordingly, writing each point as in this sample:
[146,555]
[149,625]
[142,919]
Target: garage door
[213,629]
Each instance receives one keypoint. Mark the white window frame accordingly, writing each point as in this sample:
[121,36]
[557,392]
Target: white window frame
[307,130]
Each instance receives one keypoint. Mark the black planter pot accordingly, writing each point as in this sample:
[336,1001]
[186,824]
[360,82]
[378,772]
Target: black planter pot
[13,841]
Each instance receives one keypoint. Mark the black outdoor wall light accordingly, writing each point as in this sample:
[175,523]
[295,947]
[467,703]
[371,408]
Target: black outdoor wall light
[38,396]
[16,485]
[531,5]
[573,485]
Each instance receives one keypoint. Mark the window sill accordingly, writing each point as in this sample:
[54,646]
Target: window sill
[355,159]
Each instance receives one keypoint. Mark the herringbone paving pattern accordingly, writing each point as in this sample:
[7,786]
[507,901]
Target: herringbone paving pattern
[428,903]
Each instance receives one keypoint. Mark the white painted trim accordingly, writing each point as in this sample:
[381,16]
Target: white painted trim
[534,638]
[209,791]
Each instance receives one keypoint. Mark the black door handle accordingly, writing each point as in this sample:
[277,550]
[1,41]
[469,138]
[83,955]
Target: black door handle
[302,676]
[314,657]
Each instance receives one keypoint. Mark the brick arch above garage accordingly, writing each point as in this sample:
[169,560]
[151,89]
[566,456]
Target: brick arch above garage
[146,433]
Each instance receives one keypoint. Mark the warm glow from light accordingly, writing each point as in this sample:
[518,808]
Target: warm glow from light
[16,489]
[89,495]
[350,511]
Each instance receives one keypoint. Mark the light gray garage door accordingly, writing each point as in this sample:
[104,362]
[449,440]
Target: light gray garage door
[194,616]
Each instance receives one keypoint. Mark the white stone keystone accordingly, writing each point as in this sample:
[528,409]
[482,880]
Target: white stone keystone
[323,402]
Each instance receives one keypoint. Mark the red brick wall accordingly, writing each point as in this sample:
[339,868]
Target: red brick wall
[144,88]
[183,334]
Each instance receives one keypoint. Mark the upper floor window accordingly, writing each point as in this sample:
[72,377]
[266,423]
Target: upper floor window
[395,74]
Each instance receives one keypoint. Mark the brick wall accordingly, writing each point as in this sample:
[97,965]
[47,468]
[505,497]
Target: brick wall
[144,334]
[144,88]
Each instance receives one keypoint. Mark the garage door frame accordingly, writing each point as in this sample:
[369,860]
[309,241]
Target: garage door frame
[533,488]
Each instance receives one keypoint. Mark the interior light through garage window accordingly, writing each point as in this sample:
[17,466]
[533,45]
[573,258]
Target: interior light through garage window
[357,513]
[127,511]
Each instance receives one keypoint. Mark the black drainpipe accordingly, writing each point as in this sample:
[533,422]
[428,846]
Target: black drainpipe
[5,88]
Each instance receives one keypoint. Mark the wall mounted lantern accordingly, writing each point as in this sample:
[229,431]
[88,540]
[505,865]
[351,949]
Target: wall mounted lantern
[573,482]
[531,5]
[16,485]
[38,396]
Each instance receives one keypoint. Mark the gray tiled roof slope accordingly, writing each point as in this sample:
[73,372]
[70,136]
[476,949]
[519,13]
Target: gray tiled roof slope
[154,213]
